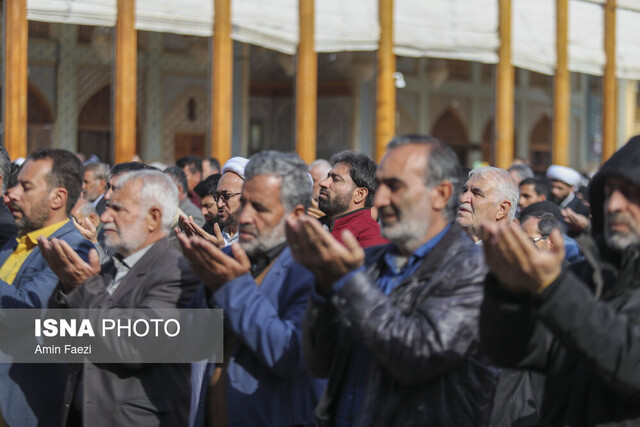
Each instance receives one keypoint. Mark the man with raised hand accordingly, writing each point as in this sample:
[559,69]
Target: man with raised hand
[49,183]
[579,326]
[145,272]
[263,293]
[395,327]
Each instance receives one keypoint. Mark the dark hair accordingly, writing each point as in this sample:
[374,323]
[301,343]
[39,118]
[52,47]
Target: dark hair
[66,172]
[208,186]
[362,170]
[12,179]
[214,163]
[540,186]
[193,162]
[121,168]
[5,167]
[178,177]
[442,165]
[548,222]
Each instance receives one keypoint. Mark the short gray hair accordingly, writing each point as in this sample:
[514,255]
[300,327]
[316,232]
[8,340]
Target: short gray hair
[296,186]
[523,171]
[100,170]
[5,167]
[506,188]
[157,190]
[442,165]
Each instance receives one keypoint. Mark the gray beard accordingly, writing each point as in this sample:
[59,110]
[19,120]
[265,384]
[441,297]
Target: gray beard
[263,244]
[619,241]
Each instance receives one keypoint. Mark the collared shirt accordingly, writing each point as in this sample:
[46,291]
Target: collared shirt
[228,238]
[26,244]
[353,389]
[124,265]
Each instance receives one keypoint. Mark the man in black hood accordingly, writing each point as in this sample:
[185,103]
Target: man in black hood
[580,326]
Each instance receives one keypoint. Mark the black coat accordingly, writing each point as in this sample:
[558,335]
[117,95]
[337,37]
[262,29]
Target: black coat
[423,338]
[583,331]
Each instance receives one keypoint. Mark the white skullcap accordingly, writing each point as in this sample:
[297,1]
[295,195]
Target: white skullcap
[562,173]
[235,165]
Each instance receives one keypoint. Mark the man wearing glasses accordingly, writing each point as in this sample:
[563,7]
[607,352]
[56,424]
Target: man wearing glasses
[227,197]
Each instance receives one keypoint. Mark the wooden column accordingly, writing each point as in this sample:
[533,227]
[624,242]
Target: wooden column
[386,90]
[222,82]
[306,83]
[562,88]
[15,78]
[610,90]
[505,87]
[126,71]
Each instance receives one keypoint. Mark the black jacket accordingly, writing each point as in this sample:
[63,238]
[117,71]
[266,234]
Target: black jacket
[423,339]
[583,331]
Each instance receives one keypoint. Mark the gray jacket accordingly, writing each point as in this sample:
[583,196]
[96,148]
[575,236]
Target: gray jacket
[423,338]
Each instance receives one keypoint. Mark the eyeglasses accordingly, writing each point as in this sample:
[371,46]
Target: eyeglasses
[224,196]
[537,239]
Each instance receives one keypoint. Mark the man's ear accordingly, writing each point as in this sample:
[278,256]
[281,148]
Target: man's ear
[442,193]
[297,211]
[154,219]
[58,198]
[503,210]
[360,194]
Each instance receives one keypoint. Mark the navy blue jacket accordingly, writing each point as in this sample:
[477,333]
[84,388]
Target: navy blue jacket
[267,380]
[31,394]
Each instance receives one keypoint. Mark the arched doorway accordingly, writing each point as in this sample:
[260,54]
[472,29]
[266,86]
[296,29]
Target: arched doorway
[39,120]
[450,129]
[94,126]
[540,144]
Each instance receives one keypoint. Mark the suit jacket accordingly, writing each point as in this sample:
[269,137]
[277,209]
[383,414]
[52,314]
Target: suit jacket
[31,394]
[142,394]
[267,380]
[101,205]
[7,225]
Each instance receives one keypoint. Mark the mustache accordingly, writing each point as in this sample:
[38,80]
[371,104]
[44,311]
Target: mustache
[109,226]
[466,206]
[386,210]
[621,218]
[249,228]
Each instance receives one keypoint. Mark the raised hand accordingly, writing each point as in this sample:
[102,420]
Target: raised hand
[213,266]
[190,228]
[70,268]
[88,230]
[516,262]
[315,248]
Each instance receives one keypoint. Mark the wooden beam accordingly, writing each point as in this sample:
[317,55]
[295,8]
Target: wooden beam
[505,88]
[125,87]
[222,82]
[386,87]
[306,84]
[562,88]
[15,78]
[610,90]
